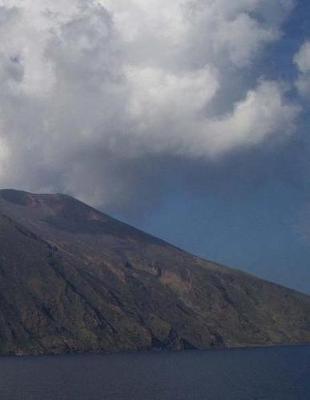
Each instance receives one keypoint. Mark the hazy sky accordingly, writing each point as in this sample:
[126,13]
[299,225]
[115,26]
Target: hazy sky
[188,118]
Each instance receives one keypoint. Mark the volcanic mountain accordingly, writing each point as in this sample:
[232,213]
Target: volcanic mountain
[76,280]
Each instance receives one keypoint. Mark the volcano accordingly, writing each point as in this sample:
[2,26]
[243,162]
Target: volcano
[76,280]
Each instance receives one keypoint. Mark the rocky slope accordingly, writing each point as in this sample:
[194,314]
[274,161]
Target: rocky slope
[74,279]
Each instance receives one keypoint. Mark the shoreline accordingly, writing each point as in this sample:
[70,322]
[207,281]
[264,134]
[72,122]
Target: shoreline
[153,351]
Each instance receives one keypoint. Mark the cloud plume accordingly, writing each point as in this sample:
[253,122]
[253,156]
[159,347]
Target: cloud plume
[88,89]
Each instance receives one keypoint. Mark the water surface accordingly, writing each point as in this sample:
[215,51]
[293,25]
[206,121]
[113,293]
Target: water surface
[281,373]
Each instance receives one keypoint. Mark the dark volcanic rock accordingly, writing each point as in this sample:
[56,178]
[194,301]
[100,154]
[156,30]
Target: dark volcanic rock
[74,279]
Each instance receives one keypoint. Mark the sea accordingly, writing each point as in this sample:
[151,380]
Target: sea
[275,373]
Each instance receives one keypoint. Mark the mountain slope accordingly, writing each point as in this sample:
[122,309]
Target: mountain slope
[74,279]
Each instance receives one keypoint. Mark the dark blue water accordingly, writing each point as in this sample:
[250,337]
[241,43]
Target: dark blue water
[257,374]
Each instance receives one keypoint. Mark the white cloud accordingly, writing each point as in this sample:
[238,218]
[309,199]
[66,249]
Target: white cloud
[4,154]
[163,105]
[302,60]
[88,86]
[168,114]
[263,112]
